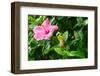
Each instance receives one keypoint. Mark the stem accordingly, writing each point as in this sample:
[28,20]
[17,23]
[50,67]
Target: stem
[62,43]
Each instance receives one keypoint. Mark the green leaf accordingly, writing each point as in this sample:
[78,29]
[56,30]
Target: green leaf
[31,26]
[40,20]
[78,35]
[58,50]
[65,35]
[85,22]
[80,54]
[61,51]
[52,20]
[30,19]
[47,48]
[33,43]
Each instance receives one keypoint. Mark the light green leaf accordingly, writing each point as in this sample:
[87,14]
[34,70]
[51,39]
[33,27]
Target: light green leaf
[65,35]
[52,19]
[61,51]
[80,54]
[31,26]
[85,22]
[58,50]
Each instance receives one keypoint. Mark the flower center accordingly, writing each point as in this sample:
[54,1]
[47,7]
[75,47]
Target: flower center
[46,31]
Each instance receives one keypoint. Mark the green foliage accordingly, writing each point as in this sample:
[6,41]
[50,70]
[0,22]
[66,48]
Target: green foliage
[72,33]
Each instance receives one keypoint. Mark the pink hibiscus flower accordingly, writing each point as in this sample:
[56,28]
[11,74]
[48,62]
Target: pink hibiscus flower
[44,31]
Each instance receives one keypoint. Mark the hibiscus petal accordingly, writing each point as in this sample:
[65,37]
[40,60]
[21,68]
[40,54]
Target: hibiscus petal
[46,23]
[53,28]
[39,36]
[38,29]
[47,36]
